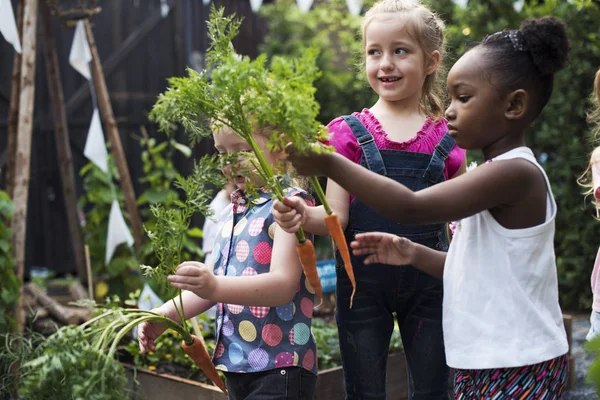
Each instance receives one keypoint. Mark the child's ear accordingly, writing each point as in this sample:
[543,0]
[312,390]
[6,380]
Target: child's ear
[433,62]
[517,104]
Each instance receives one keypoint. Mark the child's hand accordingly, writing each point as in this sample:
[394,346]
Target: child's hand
[195,277]
[309,163]
[290,214]
[384,248]
[147,334]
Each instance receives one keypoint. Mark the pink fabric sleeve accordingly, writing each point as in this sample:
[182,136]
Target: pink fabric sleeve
[454,161]
[344,140]
[596,178]
[595,281]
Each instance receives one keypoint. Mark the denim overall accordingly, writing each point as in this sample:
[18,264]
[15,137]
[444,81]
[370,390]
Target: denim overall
[416,298]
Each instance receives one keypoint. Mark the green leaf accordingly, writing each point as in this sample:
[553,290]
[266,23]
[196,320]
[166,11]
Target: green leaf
[195,232]
[185,150]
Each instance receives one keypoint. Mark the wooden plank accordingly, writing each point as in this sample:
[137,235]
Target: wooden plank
[149,385]
[113,135]
[82,94]
[13,113]
[63,146]
[330,385]
[23,147]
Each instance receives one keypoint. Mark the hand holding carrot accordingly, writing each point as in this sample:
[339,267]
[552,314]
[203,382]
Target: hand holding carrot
[147,334]
[195,277]
[384,248]
[290,213]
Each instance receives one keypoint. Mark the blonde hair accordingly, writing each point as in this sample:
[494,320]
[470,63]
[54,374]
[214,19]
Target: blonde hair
[428,29]
[593,117]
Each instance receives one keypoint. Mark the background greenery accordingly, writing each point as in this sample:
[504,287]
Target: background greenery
[559,138]
[9,291]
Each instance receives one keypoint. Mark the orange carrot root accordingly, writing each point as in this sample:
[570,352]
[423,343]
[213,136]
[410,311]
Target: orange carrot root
[335,230]
[308,259]
[198,353]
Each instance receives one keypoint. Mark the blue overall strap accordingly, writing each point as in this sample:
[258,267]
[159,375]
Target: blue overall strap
[442,150]
[367,144]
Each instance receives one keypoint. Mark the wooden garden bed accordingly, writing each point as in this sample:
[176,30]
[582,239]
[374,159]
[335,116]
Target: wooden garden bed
[330,385]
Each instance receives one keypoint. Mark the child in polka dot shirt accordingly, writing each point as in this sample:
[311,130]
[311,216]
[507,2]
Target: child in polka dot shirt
[265,345]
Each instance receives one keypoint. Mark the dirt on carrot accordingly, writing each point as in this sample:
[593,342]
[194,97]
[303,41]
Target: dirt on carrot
[198,353]
[308,259]
[337,234]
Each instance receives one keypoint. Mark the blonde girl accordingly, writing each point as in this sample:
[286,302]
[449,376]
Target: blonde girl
[403,137]
[591,180]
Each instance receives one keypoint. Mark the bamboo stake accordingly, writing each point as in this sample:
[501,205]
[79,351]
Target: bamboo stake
[113,135]
[13,113]
[88,267]
[23,148]
[63,146]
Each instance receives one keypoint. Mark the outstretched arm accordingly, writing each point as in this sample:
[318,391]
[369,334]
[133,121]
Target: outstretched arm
[503,182]
[385,248]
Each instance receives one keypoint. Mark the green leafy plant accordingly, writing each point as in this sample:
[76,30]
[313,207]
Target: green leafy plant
[79,362]
[9,292]
[245,95]
[160,176]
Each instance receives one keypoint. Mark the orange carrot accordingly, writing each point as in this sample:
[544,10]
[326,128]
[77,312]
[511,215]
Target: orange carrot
[335,230]
[308,259]
[198,353]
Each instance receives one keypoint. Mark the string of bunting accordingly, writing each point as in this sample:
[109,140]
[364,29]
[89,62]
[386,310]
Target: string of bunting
[355,6]
[95,145]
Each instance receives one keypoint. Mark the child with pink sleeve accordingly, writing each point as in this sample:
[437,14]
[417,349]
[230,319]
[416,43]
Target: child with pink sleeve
[594,188]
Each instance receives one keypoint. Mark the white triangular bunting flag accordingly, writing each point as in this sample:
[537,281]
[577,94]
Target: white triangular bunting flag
[8,26]
[461,3]
[95,147]
[80,56]
[118,231]
[354,6]
[255,5]
[304,5]
[164,8]
[518,5]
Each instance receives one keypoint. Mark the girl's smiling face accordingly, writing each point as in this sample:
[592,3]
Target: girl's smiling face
[395,64]
[242,171]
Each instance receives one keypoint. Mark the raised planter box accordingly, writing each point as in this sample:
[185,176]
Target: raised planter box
[148,385]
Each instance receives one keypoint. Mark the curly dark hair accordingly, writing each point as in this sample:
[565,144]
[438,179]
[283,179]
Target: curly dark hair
[528,58]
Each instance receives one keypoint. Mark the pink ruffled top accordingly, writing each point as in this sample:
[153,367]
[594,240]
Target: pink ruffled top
[424,140]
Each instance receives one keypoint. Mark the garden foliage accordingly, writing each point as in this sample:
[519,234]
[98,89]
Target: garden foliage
[9,292]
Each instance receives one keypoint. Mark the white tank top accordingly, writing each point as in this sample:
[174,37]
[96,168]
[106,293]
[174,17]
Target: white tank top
[501,291]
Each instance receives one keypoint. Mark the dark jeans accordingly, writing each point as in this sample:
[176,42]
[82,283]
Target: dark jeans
[366,329]
[291,383]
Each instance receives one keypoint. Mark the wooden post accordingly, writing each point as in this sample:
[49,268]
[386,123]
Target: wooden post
[113,135]
[23,147]
[61,134]
[13,114]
